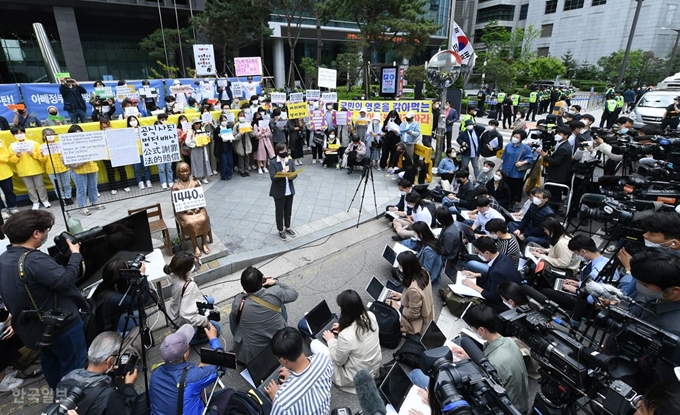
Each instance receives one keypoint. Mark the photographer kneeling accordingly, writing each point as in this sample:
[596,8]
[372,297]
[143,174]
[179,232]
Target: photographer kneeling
[42,296]
[100,394]
[185,294]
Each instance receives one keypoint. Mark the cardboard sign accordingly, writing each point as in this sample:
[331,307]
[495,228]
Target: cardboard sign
[341,117]
[17,107]
[202,140]
[104,92]
[313,94]
[188,199]
[248,66]
[125,91]
[327,78]
[245,127]
[83,147]
[222,82]
[122,143]
[204,56]
[159,144]
[55,148]
[329,97]
[296,97]
[278,97]
[206,118]
[131,112]
[236,90]
[298,110]
[263,124]
[60,75]
[22,146]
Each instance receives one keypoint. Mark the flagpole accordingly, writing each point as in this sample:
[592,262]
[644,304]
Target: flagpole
[451,23]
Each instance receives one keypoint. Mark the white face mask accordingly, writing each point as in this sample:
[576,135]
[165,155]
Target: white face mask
[493,236]
[332,136]
[403,193]
[469,127]
[20,137]
[497,178]
[133,123]
[650,244]
[223,123]
[50,138]
[536,201]
[481,257]
[411,206]
[581,258]
[485,169]
[376,122]
[242,119]
[253,102]
[515,140]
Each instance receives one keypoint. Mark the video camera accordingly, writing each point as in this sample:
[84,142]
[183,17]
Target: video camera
[73,397]
[463,387]
[63,252]
[53,320]
[208,310]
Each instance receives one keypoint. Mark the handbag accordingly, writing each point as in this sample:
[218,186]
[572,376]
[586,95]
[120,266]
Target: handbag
[523,167]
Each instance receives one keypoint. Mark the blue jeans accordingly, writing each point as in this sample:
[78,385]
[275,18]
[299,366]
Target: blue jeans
[165,173]
[68,352]
[419,378]
[476,266]
[200,337]
[226,165]
[138,171]
[77,116]
[450,205]
[64,183]
[465,161]
[86,187]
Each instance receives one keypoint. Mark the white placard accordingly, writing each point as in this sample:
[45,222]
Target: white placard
[236,90]
[341,117]
[181,89]
[327,78]
[204,57]
[122,143]
[248,66]
[278,97]
[222,82]
[131,112]
[55,148]
[23,146]
[206,118]
[263,124]
[187,199]
[296,97]
[313,94]
[82,147]
[329,97]
[159,144]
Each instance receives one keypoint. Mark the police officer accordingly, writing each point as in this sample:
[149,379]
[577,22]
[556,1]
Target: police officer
[545,101]
[534,97]
[515,103]
[499,105]
[620,102]
[610,90]
[471,112]
[481,98]
[609,110]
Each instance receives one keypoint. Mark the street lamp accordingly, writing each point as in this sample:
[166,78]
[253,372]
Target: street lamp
[630,43]
[675,47]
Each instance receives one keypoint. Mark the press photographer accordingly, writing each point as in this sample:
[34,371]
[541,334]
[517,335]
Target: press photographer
[42,296]
[99,392]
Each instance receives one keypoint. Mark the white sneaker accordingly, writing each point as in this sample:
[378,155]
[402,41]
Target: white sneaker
[85,211]
[259,171]
[164,185]
[300,161]
[36,206]
[98,207]
[9,370]
[98,195]
[265,170]
[9,383]
[141,185]
[214,172]
[47,204]
[13,210]
[313,161]
[205,181]
[148,184]
[113,192]
[127,189]
[5,215]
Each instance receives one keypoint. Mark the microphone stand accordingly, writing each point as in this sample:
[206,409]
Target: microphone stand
[57,187]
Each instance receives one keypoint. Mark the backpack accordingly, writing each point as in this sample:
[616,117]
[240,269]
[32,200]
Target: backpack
[248,403]
[389,324]
[409,353]
[457,304]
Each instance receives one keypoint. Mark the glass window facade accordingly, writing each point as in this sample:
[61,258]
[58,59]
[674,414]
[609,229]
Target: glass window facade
[546,30]
[523,11]
[543,51]
[117,55]
[573,4]
[599,2]
[550,6]
[500,12]
[21,60]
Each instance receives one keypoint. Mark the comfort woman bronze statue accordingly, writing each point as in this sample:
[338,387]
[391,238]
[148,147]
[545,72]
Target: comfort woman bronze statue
[193,222]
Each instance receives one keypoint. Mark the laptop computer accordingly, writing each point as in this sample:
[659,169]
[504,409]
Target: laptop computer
[263,368]
[433,337]
[390,253]
[395,387]
[320,319]
[377,290]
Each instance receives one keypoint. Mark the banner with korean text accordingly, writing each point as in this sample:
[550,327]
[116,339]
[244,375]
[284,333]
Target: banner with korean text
[423,110]
[9,95]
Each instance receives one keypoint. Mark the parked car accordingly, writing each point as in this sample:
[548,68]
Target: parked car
[651,107]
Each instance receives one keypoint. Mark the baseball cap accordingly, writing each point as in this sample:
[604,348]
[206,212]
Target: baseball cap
[195,120]
[410,114]
[469,122]
[175,345]
[176,82]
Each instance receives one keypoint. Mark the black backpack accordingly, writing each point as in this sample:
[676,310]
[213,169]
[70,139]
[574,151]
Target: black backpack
[409,353]
[248,403]
[389,324]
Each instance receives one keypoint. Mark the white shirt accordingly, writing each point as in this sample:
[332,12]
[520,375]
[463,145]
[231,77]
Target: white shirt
[249,88]
[483,218]
[421,214]
[207,90]
[284,163]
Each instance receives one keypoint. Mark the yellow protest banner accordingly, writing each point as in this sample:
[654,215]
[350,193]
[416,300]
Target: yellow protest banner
[298,110]
[423,110]
[202,140]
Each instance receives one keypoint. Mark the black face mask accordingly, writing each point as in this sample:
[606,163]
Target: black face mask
[53,113]
[283,154]
[460,181]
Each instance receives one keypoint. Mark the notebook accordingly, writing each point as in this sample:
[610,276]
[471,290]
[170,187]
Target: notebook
[320,319]
[464,290]
[396,386]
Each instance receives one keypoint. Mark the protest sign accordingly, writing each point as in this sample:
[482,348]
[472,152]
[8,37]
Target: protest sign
[222,82]
[206,118]
[341,117]
[83,147]
[327,78]
[202,140]
[236,90]
[204,57]
[296,97]
[329,97]
[55,148]
[423,110]
[278,97]
[60,75]
[159,144]
[263,124]
[313,94]
[188,199]
[245,127]
[131,112]
[104,92]
[122,143]
[23,146]
[298,110]
[248,66]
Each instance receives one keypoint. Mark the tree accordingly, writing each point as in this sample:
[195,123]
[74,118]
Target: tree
[292,12]
[570,64]
[229,28]
[546,67]
[415,73]
[308,66]
[496,40]
[643,67]
[499,73]
[153,44]
[391,25]
[349,63]
[587,71]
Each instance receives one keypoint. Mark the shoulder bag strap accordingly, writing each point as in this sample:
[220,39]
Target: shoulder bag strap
[521,151]
[21,268]
[180,394]
[241,305]
[265,304]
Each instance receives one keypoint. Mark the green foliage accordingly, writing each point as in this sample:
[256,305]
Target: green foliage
[643,67]
[569,64]
[415,73]
[168,71]
[308,66]
[585,85]
[496,39]
[153,43]
[348,65]
[546,68]
[499,73]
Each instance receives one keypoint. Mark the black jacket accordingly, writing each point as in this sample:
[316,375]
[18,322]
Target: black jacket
[558,169]
[100,394]
[502,269]
[220,146]
[464,140]
[449,240]
[466,194]
[532,222]
[278,134]
[44,278]
[486,138]
[502,194]
[73,97]
[278,187]
[4,124]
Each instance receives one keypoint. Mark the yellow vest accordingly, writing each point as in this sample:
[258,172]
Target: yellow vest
[515,99]
[610,105]
[465,118]
[58,163]
[619,101]
[533,97]
[87,168]
[501,96]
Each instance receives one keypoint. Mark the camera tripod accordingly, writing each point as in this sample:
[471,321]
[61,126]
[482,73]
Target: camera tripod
[57,188]
[366,173]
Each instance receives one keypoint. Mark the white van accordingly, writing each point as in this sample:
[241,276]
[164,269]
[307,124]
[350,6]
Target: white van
[652,106]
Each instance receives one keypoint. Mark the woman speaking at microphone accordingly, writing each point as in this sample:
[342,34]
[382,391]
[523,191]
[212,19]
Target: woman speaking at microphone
[282,189]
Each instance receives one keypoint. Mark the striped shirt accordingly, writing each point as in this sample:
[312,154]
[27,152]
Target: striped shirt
[509,248]
[306,393]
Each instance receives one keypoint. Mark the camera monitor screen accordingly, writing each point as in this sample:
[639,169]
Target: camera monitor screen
[131,234]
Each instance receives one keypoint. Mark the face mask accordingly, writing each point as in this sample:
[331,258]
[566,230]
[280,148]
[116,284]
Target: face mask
[649,293]
[225,111]
[452,155]
[491,128]
[623,130]
[411,206]
[242,119]
[376,122]
[580,258]
[223,123]
[650,244]
[493,236]
[206,80]
[481,257]
[253,102]
[50,138]
[53,113]
[332,136]
[283,154]
[409,120]
[20,137]
[497,178]
[485,169]
[415,238]
[133,123]
[536,201]
[515,140]
[42,241]
[469,127]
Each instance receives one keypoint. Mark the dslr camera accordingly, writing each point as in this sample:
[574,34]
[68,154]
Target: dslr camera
[136,262]
[63,252]
[53,320]
[208,310]
[73,397]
